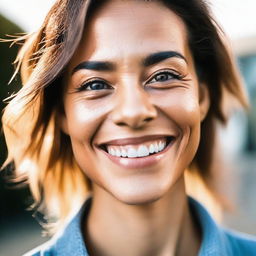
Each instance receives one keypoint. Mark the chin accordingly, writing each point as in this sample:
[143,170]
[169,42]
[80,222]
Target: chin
[139,200]
[140,195]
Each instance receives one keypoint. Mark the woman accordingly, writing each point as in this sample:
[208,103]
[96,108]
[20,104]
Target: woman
[119,99]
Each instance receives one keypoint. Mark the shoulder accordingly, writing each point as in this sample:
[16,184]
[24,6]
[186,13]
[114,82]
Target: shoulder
[241,244]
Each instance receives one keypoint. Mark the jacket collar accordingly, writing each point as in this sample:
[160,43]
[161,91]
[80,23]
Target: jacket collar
[70,241]
[213,237]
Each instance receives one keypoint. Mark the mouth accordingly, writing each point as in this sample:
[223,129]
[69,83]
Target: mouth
[137,148]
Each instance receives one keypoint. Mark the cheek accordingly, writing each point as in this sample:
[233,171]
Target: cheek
[182,106]
[84,118]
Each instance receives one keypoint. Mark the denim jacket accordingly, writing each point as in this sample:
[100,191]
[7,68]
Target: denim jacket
[216,241]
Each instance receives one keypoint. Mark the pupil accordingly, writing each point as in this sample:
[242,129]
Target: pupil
[162,77]
[97,86]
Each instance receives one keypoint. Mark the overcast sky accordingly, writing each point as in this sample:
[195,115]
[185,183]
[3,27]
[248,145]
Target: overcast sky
[236,16]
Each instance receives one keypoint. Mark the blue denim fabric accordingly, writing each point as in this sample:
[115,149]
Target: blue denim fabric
[216,241]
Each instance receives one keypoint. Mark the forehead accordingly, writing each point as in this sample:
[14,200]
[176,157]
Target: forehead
[127,28]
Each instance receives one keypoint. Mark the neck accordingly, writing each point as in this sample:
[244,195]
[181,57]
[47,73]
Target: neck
[164,227]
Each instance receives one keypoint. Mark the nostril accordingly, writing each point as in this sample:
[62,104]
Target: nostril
[148,119]
[134,123]
[127,123]
[121,124]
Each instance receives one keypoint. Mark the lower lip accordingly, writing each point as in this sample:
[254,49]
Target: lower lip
[138,162]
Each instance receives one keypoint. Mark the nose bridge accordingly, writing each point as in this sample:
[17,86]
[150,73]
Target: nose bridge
[133,107]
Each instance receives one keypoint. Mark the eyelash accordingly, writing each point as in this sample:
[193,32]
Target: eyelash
[85,85]
[173,74]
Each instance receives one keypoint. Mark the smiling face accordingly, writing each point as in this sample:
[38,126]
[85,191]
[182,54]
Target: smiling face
[133,105]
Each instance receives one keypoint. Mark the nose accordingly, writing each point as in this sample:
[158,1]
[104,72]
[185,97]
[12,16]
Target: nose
[133,108]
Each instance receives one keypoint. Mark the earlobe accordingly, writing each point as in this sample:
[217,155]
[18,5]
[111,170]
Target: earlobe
[204,100]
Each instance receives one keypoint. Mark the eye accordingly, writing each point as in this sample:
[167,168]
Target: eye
[164,76]
[94,85]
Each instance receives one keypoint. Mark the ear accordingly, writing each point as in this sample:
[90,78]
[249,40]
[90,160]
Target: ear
[204,100]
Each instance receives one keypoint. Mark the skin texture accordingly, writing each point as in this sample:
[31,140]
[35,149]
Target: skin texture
[142,206]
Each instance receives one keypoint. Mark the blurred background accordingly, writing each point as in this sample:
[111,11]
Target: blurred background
[19,231]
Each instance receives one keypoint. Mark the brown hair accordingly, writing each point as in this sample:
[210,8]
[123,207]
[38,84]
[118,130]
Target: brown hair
[35,141]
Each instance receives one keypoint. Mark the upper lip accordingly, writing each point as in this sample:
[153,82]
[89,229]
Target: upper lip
[134,140]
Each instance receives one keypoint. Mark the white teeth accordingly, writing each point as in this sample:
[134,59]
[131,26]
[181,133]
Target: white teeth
[112,152]
[118,152]
[143,151]
[124,153]
[132,152]
[156,147]
[161,145]
[151,148]
[136,151]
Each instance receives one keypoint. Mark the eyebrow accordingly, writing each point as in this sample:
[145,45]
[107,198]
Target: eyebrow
[94,65]
[161,56]
[152,59]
